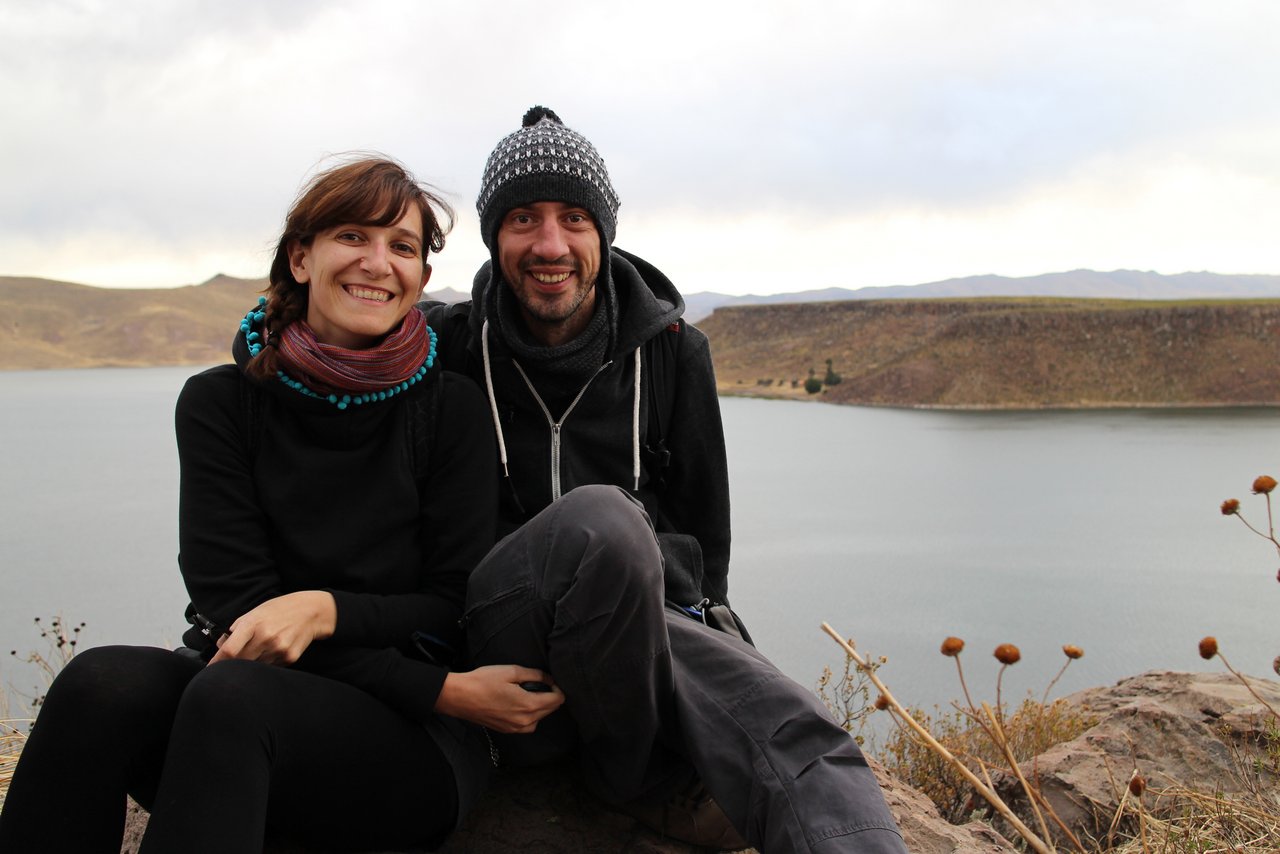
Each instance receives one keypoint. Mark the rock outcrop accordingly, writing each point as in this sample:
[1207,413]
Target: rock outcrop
[547,811]
[1189,729]
[1186,728]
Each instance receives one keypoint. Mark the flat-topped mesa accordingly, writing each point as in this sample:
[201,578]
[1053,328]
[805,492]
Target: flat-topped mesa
[1004,353]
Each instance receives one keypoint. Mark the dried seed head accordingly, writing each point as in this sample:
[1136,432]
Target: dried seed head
[1231,506]
[951,647]
[1072,652]
[1137,785]
[882,702]
[1275,665]
[1208,647]
[1007,653]
[1263,484]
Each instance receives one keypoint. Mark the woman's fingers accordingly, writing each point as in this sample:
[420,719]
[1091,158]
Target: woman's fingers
[279,630]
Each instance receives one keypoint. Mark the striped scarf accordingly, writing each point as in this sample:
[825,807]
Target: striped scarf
[329,369]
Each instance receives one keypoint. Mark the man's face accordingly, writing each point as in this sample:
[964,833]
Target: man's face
[549,253]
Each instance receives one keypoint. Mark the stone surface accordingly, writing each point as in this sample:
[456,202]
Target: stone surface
[1173,727]
[926,832]
[545,810]
[1183,728]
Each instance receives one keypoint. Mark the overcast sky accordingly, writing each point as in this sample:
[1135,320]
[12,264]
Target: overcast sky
[757,147]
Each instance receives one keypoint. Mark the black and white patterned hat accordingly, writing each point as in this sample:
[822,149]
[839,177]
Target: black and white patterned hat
[545,161]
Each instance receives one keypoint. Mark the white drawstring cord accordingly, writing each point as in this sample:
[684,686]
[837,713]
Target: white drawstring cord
[493,401]
[635,427]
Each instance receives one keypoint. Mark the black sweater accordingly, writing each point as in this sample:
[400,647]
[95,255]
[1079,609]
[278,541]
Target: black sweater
[326,499]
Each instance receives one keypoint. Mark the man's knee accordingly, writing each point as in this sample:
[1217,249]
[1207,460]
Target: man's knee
[608,530]
[588,550]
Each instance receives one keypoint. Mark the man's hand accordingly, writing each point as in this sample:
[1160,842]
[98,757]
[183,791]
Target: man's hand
[279,630]
[492,697]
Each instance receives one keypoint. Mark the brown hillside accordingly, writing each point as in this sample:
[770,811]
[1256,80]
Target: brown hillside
[1020,353]
[47,324]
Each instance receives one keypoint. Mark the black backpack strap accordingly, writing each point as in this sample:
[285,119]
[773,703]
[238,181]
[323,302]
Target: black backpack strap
[661,355]
[421,413]
[450,321]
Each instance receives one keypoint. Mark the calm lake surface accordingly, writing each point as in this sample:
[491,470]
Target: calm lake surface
[1099,529]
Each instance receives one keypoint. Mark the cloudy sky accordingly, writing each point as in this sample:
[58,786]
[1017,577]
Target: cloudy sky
[757,147]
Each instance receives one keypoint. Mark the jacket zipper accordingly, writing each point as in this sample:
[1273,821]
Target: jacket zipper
[554,424]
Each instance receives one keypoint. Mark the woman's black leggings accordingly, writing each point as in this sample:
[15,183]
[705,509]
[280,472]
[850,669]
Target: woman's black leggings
[222,756]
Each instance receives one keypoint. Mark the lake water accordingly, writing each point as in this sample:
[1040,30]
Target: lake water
[898,527]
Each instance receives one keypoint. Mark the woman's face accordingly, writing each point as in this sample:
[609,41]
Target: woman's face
[362,279]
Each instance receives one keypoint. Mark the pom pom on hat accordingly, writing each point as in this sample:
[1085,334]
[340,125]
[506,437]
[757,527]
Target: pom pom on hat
[537,114]
[544,161]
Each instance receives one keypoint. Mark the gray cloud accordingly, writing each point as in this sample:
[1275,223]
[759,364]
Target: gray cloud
[185,126]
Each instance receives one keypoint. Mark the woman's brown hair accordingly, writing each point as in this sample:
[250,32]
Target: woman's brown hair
[369,191]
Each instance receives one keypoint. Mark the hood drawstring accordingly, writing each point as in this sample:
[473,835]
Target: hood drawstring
[497,422]
[493,401]
[635,427]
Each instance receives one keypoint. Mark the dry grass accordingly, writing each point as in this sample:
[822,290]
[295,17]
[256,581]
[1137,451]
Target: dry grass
[12,737]
[1182,820]
[952,758]
[1031,729]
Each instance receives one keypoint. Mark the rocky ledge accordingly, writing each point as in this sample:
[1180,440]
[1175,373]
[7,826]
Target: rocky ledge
[1185,728]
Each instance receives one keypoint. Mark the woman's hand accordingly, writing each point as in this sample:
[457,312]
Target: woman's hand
[279,630]
[492,697]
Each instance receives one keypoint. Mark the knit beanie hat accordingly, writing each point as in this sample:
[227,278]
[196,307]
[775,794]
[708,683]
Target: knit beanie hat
[545,161]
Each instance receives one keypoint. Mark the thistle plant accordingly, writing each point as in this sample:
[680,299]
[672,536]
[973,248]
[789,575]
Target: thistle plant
[1263,485]
[1209,650]
[969,760]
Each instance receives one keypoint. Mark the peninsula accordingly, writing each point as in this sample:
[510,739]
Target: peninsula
[994,353]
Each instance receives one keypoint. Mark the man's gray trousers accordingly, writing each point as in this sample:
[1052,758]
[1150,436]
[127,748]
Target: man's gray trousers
[654,696]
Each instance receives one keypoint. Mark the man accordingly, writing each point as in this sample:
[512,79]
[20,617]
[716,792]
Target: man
[604,405]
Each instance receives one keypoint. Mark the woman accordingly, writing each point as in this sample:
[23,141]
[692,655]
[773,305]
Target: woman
[335,495]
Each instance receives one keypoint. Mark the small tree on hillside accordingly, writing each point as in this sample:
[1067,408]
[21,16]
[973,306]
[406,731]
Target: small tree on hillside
[832,378]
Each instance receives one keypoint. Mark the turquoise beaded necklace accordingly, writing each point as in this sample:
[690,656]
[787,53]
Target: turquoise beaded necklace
[253,338]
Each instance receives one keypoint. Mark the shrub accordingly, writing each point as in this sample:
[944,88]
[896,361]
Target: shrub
[832,378]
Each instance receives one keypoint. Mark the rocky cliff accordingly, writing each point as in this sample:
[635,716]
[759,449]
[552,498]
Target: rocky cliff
[1019,353]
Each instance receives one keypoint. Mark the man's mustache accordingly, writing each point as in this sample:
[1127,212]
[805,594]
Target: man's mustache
[564,261]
